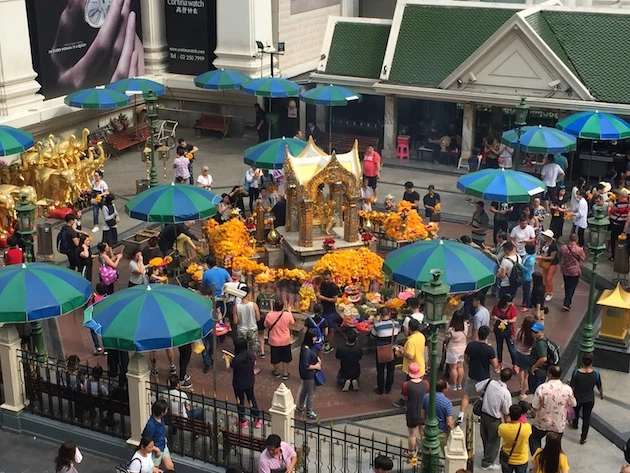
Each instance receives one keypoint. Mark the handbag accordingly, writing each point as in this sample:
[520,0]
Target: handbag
[504,459]
[570,414]
[544,264]
[478,405]
[385,353]
[107,274]
[282,469]
[124,468]
[320,378]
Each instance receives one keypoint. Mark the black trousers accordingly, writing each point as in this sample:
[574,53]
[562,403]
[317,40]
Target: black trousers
[587,409]
[570,285]
[118,361]
[248,393]
[185,352]
[253,197]
[499,226]
[535,441]
[384,382]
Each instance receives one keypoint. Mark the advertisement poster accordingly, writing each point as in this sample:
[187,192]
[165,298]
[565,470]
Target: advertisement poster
[78,44]
[191,35]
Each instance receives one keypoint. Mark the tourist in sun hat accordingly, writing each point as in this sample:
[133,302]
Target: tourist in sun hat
[414,390]
[548,261]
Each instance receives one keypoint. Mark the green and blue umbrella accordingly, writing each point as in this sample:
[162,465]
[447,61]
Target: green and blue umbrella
[144,318]
[170,203]
[221,79]
[540,139]
[97,98]
[330,96]
[271,153]
[465,268]
[137,86]
[273,87]
[14,140]
[503,185]
[37,291]
[595,126]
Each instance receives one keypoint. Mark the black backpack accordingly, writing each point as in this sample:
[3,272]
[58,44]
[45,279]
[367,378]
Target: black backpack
[516,275]
[553,353]
[63,245]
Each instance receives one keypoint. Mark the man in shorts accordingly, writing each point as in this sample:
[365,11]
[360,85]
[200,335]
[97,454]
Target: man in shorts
[479,356]
[155,429]
[327,296]
[371,167]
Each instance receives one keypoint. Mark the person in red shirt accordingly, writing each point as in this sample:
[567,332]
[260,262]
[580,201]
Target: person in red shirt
[504,317]
[371,167]
[14,254]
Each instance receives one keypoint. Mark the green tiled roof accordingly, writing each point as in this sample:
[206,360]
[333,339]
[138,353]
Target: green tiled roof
[594,46]
[357,50]
[435,40]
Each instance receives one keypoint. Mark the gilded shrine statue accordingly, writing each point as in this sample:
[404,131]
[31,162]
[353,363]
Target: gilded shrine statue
[322,192]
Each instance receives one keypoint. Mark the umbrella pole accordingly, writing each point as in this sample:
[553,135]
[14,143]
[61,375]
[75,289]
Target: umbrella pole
[590,161]
[215,321]
[269,122]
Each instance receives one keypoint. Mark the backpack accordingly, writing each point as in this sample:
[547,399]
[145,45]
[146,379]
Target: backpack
[63,245]
[553,353]
[124,467]
[516,275]
[319,341]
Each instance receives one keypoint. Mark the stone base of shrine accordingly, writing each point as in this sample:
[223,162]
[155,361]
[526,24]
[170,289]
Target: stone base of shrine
[305,257]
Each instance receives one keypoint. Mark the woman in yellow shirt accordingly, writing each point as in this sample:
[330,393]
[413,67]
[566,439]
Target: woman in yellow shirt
[550,459]
[518,455]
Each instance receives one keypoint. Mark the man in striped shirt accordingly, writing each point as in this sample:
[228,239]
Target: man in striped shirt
[618,215]
[443,411]
[385,332]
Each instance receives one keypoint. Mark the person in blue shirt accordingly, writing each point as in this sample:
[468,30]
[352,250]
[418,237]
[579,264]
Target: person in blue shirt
[218,277]
[529,261]
[443,411]
[156,430]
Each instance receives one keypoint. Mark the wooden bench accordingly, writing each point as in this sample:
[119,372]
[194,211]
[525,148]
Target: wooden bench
[232,440]
[196,427]
[132,136]
[343,143]
[210,122]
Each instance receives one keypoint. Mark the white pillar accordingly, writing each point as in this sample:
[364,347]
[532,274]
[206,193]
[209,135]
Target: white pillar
[468,129]
[455,453]
[349,7]
[240,23]
[138,379]
[282,412]
[154,37]
[390,127]
[18,87]
[11,369]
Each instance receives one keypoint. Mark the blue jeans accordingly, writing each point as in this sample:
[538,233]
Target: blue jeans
[196,413]
[206,354]
[95,209]
[533,381]
[527,293]
[515,469]
[510,345]
[97,343]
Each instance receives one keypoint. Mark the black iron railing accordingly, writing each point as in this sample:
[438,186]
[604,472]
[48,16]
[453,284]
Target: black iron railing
[324,448]
[75,394]
[212,430]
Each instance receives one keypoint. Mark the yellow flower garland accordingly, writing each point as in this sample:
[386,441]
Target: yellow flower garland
[230,239]
[360,266]
[413,228]
[248,266]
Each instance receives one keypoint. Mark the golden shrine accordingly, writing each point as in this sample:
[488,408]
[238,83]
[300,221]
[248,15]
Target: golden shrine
[612,345]
[53,173]
[322,192]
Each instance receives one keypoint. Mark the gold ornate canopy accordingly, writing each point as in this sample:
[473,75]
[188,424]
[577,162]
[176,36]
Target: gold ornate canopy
[308,209]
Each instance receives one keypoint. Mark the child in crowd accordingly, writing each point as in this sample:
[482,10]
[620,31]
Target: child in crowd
[97,296]
[529,262]
[320,325]
[524,405]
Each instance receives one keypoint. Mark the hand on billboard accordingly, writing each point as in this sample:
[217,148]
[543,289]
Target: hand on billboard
[115,53]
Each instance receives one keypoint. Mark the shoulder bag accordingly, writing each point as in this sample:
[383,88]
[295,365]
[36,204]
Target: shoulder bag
[504,459]
[385,353]
[478,406]
[107,274]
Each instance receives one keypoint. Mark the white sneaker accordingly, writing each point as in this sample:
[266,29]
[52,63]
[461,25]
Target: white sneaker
[548,297]
[95,229]
[493,466]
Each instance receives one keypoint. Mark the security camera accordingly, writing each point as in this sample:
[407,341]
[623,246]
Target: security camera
[473,77]
[232,291]
[554,83]
[459,82]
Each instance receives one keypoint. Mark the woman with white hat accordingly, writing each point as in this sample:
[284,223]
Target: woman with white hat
[548,261]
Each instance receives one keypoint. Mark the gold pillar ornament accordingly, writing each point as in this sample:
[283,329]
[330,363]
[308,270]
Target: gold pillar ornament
[351,227]
[306,223]
[260,222]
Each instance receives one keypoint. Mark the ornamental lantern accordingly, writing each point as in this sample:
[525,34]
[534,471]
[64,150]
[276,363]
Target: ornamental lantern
[435,298]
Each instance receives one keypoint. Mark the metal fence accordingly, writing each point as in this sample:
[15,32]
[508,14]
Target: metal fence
[212,430]
[75,394]
[327,449]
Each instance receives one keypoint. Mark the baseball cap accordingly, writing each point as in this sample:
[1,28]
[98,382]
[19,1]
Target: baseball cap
[538,327]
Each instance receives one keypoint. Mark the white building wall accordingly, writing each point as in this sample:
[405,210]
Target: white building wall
[303,35]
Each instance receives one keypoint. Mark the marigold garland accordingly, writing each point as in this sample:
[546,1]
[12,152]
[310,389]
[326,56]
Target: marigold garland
[307,296]
[413,228]
[360,266]
[248,266]
[292,275]
[266,277]
[210,226]
[230,239]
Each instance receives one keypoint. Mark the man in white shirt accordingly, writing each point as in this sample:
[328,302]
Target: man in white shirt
[481,316]
[505,270]
[580,214]
[179,402]
[414,305]
[505,156]
[522,234]
[550,174]
[496,406]
[252,177]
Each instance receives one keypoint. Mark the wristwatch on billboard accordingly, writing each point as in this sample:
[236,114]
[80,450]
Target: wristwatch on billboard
[96,11]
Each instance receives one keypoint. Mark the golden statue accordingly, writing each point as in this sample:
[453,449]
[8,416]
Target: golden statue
[17,191]
[7,215]
[327,217]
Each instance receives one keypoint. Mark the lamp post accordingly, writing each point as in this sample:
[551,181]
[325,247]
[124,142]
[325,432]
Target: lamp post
[26,228]
[435,297]
[597,225]
[151,103]
[520,120]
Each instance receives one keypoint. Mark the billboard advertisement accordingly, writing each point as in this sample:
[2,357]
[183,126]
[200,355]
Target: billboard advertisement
[191,35]
[78,44]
